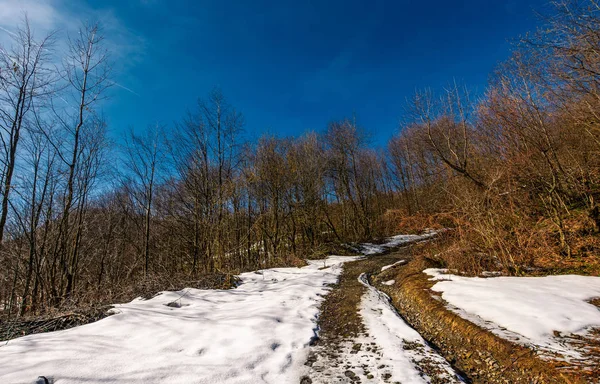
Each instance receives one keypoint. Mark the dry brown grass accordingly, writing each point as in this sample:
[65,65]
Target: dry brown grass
[514,245]
[398,221]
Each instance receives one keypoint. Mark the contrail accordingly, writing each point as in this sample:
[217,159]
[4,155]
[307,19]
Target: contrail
[118,85]
[9,32]
[125,88]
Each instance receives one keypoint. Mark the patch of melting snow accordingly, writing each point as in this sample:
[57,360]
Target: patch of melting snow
[397,263]
[395,241]
[491,273]
[534,311]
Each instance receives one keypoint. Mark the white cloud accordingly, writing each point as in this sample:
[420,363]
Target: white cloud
[42,14]
[66,17]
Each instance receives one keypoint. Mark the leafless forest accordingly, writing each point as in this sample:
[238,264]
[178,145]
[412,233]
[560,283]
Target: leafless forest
[515,172]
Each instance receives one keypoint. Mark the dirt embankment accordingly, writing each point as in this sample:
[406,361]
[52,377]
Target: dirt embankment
[482,356]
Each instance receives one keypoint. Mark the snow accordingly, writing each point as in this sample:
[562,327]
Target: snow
[389,282]
[402,347]
[525,309]
[258,332]
[395,241]
[393,265]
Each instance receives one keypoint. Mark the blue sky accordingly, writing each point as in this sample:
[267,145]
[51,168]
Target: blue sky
[289,66]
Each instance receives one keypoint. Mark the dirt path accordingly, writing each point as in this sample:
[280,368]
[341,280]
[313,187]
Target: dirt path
[348,351]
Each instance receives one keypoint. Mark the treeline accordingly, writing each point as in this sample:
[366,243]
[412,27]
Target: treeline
[84,220]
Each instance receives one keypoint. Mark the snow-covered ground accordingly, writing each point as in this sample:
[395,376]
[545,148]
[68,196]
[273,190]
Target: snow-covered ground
[535,311]
[258,332]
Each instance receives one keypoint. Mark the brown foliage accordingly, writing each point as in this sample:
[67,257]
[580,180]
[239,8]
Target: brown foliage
[520,176]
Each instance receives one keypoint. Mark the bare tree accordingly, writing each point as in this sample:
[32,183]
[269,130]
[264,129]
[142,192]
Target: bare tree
[32,208]
[144,156]
[448,129]
[86,71]
[25,80]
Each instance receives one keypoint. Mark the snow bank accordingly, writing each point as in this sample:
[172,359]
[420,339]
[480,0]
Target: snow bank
[534,308]
[258,332]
